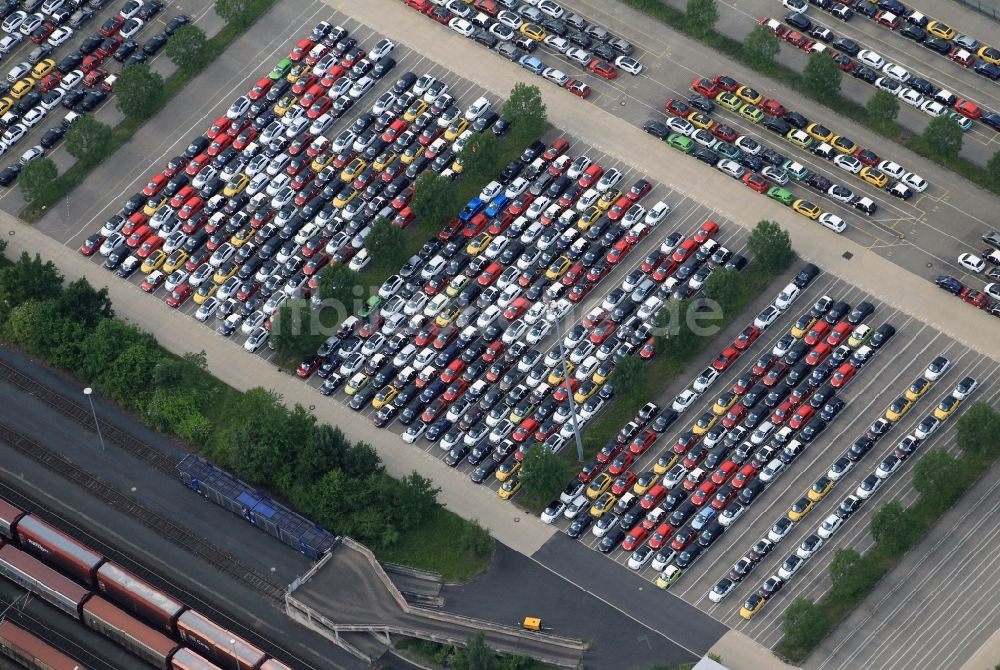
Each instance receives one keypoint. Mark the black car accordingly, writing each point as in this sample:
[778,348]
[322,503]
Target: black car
[806,275]
[52,136]
[860,313]
[847,46]
[689,556]
[9,174]
[812,429]
[796,119]
[705,155]
[656,129]
[124,50]
[832,409]
[777,125]
[90,44]
[701,102]
[798,21]
[175,23]
[837,312]
[864,73]
[69,63]
[882,335]
[579,525]
[988,70]
[942,46]
[610,541]
[150,9]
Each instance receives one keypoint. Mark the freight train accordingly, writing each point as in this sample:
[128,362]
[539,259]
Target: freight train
[109,599]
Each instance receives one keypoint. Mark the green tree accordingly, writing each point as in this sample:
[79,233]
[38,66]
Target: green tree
[882,108]
[38,180]
[295,332]
[480,156]
[943,138]
[139,90]
[993,168]
[323,451]
[188,48]
[821,77]
[893,527]
[977,431]
[433,200]
[476,655]
[475,539]
[103,343]
[526,112]
[629,375]
[759,48]
[29,278]
[726,287]
[88,140]
[385,243]
[804,624]
[119,381]
[936,478]
[700,17]
[676,339]
[339,287]
[543,474]
[852,574]
[771,246]
[81,303]
[416,499]
[240,12]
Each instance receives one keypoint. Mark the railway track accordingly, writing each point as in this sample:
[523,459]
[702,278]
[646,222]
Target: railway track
[82,415]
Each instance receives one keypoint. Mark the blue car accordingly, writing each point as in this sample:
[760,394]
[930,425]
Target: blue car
[703,517]
[472,208]
[949,284]
[497,205]
[531,64]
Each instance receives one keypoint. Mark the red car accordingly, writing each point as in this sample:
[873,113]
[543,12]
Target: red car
[726,358]
[839,333]
[426,334]
[772,108]
[456,390]
[623,483]
[618,209]
[556,149]
[744,476]
[705,491]
[818,353]
[684,539]
[618,252]
[735,416]
[578,88]
[490,274]
[867,157]
[706,232]
[817,333]
[781,413]
[649,349]
[138,236]
[724,132]
[302,85]
[705,87]
[261,88]
[684,442]
[149,245]
[91,244]
[635,537]
[603,69]
[308,367]
[153,281]
[754,181]
[300,50]
[968,108]
[517,308]
[678,108]
[666,269]
[590,175]
[112,25]
[179,296]
[621,463]
[453,371]
[640,188]
[843,374]
[641,442]
[394,130]
[801,416]
[776,373]
[684,251]
[974,297]
[155,185]
[653,497]
[602,331]
[747,337]
[660,536]
[723,498]
[724,472]
[726,83]
[319,108]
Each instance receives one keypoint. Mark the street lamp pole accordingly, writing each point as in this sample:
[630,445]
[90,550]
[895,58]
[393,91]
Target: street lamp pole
[97,424]
[232,642]
[565,371]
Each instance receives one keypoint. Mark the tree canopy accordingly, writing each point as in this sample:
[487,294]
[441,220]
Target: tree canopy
[139,90]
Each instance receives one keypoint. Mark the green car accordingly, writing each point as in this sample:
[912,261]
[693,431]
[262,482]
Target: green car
[729,101]
[668,577]
[281,69]
[782,195]
[964,122]
[727,150]
[370,306]
[799,138]
[751,113]
[680,142]
[795,170]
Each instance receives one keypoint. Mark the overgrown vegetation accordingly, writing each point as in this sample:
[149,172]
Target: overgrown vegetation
[941,479]
[341,485]
[475,655]
[987,177]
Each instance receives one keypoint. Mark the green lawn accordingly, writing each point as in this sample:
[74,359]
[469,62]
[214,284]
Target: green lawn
[436,546]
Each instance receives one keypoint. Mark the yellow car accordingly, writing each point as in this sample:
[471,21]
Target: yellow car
[356,383]
[700,120]
[556,376]
[456,128]
[509,488]
[747,94]
[521,413]
[153,262]
[807,209]
[225,271]
[323,161]
[478,243]
[558,268]
[751,113]
[803,326]
[585,391]
[242,236]
[286,103]
[448,315]
[6,104]
[296,72]
[753,604]
[603,504]
[610,197]
[598,485]
[236,185]
[728,101]
[353,169]
[800,508]
[874,176]
[663,464]
[457,285]
[589,217]
[861,335]
[799,138]
[820,488]
[414,110]
[819,132]
[412,153]
[989,54]
[704,423]
[946,407]
[918,388]
[384,396]
[153,204]
[533,31]
[601,374]
[457,166]
[508,468]
[670,575]
[644,482]
[898,409]
[942,30]
[383,160]
[22,88]
[344,198]
[844,145]
[204,292]
[724,403]
[176,260]
[43,68]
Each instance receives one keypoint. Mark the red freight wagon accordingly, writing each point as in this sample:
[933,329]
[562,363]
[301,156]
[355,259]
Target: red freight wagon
[42,580]
[9,516]
[217,643]
[58,549]
[151,646]
[31,652]
[272,664]
[185,659]
[138,597]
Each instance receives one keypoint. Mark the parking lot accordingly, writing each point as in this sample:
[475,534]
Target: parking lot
[881,380]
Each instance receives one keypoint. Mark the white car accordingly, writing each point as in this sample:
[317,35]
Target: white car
[721,590]
[972,263]
[629,64]
[787,297]
[462,27]
[731,168]
[965,387]
[414,431]
[888,466]
[912,98]
[797,6]
[684,400]
[731,514]
[937,367]
[381,49]
[915,181]
[60,36]
[257,339]
[791,565]
[866,489]
[926,428]
[579,505]
[776,175]
[557,43]
[848,163]
[657,213]
[833,222]
[809,547]
[552,512]
[897,72]
[674,476]
[894,170]
[238,108]
[766,317]
[871,59]
[830,525]
[779,531]
[772,471]
[609,180]
[704,380]
[641,557]
[933,108]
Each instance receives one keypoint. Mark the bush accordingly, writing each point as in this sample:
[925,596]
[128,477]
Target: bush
[241,13]
[943,138]
[189,49]
[977,432]
[821,77]
[139,91]
[88,140]
[526,112]
[803,623]
[771,246]
[893,527]
[38,180]
[882,108]
[700,17]
[760,47]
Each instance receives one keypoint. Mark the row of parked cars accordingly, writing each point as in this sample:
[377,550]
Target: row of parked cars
[870,66]
[988,264]
[78,82]
[832,523]
[515,30]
